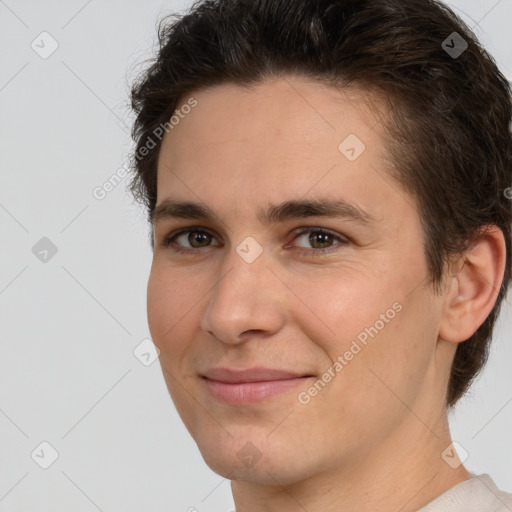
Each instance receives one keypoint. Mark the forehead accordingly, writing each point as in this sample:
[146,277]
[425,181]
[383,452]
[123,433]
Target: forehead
[304,114]
[278,140]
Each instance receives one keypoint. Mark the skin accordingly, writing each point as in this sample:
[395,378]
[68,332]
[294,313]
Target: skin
[372,438]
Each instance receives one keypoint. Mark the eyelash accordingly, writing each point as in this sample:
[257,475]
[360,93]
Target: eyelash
[167,243]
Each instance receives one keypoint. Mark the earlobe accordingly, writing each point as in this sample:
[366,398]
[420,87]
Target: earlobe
[472,291]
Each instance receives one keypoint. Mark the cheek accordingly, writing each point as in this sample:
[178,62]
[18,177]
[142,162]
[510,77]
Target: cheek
[339,305]
[372,321]
[392,365]
[169,303]
[158,302]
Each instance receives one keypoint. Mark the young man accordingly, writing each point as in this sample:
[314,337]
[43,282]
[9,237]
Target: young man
[328,186]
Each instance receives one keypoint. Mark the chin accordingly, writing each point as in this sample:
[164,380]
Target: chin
[259,461]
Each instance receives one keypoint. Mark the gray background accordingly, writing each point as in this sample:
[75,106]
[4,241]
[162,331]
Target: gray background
[69,326]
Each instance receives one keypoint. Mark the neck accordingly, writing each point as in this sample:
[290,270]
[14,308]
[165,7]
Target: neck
[404,472]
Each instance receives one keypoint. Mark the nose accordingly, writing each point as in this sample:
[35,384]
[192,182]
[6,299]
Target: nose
[248,299]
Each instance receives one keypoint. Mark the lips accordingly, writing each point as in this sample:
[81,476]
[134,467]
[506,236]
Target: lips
[252,385]
[258,374]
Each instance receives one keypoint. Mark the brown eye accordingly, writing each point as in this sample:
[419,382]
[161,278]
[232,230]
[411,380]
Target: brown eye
[320,239]
[199,237]
[323,239]
[195,238]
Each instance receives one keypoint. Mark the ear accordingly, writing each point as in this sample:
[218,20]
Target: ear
[473,290]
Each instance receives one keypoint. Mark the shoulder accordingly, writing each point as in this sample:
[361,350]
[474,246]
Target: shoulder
[499,500]
[478,494]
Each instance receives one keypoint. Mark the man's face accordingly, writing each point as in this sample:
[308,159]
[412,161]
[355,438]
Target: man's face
[250,294]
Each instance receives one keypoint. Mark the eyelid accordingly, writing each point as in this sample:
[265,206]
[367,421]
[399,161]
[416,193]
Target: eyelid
[342,239]
[318,229]
[168,239]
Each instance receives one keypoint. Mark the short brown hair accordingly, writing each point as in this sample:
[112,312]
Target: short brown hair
[449,113]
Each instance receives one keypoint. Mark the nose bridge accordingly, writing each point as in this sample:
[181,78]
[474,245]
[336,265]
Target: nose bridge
[242,298]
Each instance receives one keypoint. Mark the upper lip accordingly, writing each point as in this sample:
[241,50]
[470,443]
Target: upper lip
[257,374]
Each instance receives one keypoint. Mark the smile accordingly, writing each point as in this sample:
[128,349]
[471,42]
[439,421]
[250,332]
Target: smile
[240,393]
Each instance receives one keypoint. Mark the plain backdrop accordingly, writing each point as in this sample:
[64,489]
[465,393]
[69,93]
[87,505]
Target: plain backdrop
[74,268]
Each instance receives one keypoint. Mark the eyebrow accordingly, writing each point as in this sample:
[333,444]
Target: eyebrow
[273,214]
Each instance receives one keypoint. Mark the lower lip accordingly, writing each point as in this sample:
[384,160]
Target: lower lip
[250,392]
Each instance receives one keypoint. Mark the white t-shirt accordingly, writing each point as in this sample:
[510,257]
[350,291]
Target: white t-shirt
[478,494]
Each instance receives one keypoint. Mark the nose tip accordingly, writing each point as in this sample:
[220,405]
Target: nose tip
[245,301]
